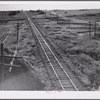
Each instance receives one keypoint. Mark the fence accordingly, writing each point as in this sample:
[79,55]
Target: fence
[90,27]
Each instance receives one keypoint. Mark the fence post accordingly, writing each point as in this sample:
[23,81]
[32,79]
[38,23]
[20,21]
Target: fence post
[95,28]
[89,28]
[2,67]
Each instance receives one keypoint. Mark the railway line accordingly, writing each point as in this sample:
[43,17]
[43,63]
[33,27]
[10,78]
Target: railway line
[65,81]
[6,35]
[3,34]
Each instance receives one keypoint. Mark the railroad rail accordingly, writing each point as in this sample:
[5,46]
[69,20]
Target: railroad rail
[65,82]
[6,35]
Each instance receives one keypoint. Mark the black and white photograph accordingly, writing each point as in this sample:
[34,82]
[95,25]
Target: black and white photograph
[50,46]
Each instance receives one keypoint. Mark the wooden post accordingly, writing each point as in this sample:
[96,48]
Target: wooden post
[35,16]
[17,35]
[57,18]
[45,13]
[17,31]
[89,29]
[50,14]
[95,28]
[2,67]
[5,14]
[69,22]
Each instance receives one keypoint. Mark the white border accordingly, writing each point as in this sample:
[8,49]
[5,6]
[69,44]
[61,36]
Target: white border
[54,4]
[52,94]
[48,95]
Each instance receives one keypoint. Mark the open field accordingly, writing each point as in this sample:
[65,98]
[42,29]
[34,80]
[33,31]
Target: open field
[77,48]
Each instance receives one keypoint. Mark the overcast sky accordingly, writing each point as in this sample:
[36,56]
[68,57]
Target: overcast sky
[49,5]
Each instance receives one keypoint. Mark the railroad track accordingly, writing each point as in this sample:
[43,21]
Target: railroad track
[65,82]
[3,34]
[9,36]
[6,36]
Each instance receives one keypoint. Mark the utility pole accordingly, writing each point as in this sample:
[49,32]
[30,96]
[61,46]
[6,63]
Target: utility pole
[17,33]
[2,67]
[89,28]
[57,18]
[69,22]
[50,14]
[95,28]
[45,13]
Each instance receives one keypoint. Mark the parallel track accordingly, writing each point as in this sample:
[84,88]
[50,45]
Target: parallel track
[6,36]
[65,82]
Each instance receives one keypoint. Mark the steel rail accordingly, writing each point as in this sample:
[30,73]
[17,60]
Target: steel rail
[33,25]
[8,35]
[48,58]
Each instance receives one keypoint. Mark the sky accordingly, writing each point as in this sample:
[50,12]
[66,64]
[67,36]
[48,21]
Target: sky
[49,5]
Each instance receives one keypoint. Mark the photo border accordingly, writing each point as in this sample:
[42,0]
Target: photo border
[26,95]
